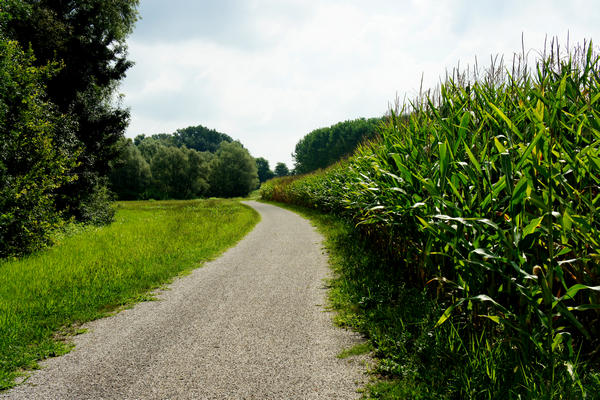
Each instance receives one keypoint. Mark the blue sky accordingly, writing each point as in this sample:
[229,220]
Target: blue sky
[267,72]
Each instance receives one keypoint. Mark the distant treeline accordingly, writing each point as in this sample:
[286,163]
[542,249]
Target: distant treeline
[325,146]
[197,138]
[200,162]
[190,163]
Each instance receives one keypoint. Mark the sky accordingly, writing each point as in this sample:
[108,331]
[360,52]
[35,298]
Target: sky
[268,72]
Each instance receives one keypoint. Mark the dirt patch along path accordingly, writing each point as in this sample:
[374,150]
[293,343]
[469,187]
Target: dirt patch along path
[249,325]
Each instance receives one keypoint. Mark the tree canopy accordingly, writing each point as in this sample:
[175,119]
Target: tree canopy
[325,146]
[281,169]
[60,63]
[234,171]
[87,37]
[264,171]
[200,138]
[130,176]
[161,166]
[179,173]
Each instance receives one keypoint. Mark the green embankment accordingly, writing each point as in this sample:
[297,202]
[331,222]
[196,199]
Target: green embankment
[94,271]
[477,222]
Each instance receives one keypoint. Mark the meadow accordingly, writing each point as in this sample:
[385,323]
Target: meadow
[93,271]
[476,218]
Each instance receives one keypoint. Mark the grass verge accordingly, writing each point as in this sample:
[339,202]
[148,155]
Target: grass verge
[363,301]
[94,271]
[356,350]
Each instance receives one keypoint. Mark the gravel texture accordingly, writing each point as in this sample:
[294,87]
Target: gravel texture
[250,325]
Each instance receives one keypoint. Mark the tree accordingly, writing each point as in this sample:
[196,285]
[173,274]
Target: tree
[196,138]
[165,139]
[234,171]
[200,138]
[148,147]
[168,172]
[33,164]
[88,38]
[197,172]
[180,173]
[325,146]
[281,169]
[139,139]
[264,172]
[130,177]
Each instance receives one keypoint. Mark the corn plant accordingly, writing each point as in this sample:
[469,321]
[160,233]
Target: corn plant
[488,191]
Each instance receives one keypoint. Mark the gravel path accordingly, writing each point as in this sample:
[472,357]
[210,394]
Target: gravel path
[249,325]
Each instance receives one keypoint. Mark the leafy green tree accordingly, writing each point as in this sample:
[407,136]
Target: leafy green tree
[130,177]
[281,169]
[188,181]
[197,173]
[166,139]
[180,173]
[148,147]
[197,138]
[88,38]
[185,171]
[264,172]
[234,171]
[325,146]
[138,139]
[200,138]
[168,172]
[32,165]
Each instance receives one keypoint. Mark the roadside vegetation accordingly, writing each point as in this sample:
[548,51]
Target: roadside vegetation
[60,63]
[470,251]
[92,271]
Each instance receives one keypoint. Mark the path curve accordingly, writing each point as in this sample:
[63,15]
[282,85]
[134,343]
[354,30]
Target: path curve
[249,325]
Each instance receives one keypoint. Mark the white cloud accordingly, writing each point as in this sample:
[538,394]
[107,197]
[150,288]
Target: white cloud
[269,71]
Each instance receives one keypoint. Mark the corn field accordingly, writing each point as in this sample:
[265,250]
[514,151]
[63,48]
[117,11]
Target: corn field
[487,189]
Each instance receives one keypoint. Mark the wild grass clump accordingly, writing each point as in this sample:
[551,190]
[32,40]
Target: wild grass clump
[94,270]
[486,193]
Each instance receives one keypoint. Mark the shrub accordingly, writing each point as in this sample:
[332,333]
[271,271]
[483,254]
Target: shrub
[32,166]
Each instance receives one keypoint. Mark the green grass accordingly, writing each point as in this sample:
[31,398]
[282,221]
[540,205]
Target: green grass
[356,350]
[94,271]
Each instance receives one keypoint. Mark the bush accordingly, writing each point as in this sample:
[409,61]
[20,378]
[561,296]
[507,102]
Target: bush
[97,209]
[32,166]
